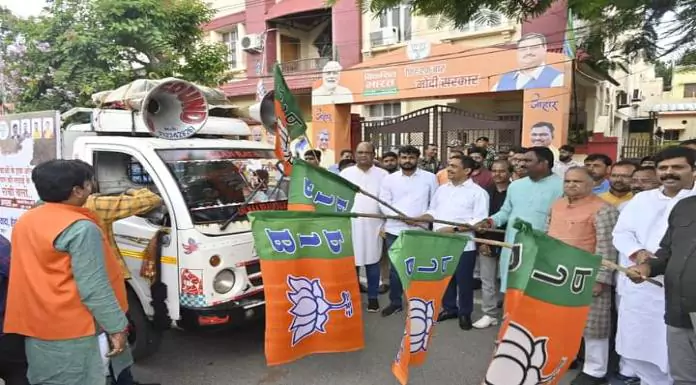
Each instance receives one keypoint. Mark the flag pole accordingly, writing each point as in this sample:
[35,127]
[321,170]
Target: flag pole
[608,264]
[465,226]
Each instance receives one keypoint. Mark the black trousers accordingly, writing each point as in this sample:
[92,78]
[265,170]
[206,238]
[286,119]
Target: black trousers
[13,360]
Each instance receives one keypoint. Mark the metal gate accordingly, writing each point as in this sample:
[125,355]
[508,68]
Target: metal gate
[442,125]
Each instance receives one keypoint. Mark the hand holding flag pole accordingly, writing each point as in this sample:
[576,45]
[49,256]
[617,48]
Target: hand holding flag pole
[467,227]
[463,226]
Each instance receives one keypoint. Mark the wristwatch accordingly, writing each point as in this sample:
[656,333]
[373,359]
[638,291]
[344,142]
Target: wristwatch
[455,229]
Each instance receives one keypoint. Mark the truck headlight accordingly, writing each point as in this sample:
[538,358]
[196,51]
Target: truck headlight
[224,281]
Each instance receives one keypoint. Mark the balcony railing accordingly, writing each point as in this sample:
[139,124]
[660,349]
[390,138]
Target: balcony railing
[304,65]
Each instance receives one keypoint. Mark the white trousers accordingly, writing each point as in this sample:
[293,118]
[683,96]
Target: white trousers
[649,373]
[596,357]
[103,349]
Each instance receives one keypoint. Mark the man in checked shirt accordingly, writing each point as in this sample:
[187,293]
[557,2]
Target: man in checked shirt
[111,208]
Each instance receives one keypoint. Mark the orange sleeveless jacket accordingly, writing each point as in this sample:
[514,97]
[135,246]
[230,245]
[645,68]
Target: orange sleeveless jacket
[43,300]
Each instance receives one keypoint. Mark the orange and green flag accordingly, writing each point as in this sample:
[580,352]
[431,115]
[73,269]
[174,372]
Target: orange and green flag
[310,285]
[425,262]
[289,122]
[546,306]
[316,189]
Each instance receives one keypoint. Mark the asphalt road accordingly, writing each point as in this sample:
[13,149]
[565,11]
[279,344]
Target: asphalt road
[236,357]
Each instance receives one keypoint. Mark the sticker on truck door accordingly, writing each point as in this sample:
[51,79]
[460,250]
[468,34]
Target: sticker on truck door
[191,291]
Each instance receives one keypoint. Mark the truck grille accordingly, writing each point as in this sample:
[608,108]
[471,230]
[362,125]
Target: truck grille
[253,271]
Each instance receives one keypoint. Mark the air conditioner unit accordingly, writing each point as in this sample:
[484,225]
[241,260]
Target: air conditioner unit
[390,35]
[384,36]
[252,42]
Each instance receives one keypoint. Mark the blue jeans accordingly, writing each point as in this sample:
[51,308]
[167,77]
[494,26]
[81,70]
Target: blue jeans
[396,291]
[463,280]
[372,274]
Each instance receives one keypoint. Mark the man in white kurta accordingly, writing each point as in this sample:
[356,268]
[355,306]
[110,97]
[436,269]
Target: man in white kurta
[641,333]
[367,243]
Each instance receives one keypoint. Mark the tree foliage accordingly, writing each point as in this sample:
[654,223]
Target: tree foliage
[79,47]
[625,27]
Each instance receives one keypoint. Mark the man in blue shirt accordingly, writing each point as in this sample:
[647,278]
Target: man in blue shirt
[599,166]
[13,362]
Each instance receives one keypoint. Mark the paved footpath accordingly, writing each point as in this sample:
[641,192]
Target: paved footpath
[236,357]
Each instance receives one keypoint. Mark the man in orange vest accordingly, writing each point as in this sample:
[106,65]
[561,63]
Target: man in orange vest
[65,286]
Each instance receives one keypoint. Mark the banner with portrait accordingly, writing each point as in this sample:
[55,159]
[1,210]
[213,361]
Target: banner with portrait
[25,141]
[428,71]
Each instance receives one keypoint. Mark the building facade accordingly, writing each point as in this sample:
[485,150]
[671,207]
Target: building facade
[413,79]
[676,111]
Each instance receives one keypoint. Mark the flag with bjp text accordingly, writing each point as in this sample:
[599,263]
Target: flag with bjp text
[317,189]
[310,285]
[425,262]
[546,307]
[289,122]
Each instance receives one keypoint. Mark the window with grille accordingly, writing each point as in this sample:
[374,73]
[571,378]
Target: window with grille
[231,40]
[398,18]
[383,111]
[485,19]
[690,90]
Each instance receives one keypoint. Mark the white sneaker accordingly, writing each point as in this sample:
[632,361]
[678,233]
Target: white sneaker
[485,322]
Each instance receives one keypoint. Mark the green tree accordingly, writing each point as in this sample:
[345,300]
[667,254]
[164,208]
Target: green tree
[609,20]
[80,47]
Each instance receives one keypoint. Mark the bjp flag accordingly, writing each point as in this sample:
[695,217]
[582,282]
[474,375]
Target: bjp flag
[425,262]
[546,306]
[316,189]
[310,285]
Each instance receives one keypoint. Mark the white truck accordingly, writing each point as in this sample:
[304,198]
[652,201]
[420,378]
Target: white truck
[209,176]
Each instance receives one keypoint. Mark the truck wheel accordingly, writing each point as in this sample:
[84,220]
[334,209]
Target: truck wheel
[144,339]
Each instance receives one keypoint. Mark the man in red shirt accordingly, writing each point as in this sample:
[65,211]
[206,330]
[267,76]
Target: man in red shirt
[481,175]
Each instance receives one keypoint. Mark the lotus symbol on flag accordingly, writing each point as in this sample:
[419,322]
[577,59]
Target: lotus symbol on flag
[520,358]
[421,315]
[310,308]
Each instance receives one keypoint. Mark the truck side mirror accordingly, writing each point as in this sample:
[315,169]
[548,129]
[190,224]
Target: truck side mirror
[158,216]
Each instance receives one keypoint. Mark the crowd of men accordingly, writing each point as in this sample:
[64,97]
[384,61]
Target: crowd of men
[63,299]
[639,214]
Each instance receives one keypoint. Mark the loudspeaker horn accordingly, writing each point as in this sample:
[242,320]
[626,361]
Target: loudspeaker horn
[264,112]
[175,109]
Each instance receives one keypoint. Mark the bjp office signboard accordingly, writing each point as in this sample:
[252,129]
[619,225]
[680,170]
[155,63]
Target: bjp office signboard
[422,70]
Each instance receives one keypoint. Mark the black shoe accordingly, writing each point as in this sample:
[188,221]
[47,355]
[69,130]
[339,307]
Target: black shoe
[445,315]
[391,309]
[383,288]
[363,288]
[465,322]
[586,379]
[372,305]
[626,380]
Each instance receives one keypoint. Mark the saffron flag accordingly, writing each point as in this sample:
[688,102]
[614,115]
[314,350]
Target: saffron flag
[289,122]
[546,306]
[425,262]
[316,189]
[310,285]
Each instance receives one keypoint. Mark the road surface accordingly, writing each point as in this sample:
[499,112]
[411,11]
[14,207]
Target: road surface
[456,357]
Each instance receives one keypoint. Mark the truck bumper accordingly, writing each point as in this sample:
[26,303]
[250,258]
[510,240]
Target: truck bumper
[248,309]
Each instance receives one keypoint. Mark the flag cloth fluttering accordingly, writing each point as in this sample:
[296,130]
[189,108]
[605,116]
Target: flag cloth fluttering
[316,189]
[311,289]
[569,45]
[289,122]
[425,262]
[546,306]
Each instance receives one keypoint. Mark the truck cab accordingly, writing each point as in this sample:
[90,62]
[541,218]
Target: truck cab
[208,273]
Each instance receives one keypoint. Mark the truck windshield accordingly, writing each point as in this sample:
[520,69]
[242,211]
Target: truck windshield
[218,184]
